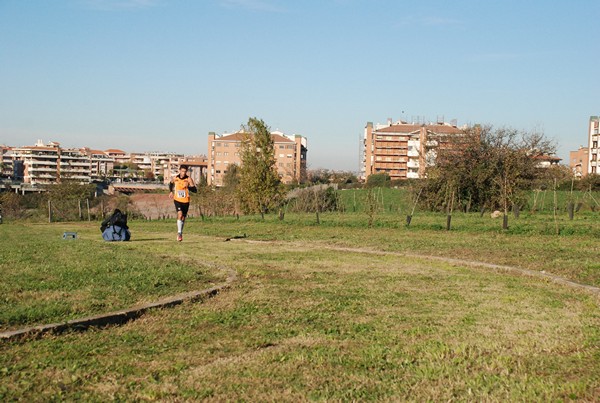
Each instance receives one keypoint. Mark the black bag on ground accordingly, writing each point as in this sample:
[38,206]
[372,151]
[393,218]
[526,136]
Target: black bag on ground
[114,228]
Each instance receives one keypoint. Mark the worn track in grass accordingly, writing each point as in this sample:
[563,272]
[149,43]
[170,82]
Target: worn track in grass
[471,263]
[120,316]
[125,315]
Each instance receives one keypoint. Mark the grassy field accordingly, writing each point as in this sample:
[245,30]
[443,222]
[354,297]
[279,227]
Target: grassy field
[316,312]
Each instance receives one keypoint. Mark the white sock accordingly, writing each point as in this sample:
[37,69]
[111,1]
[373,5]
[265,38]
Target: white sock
[179,226]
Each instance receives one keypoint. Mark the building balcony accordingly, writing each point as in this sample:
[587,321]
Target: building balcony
[41,169]
[83,178]
[392,146]
[413,164]
[41,162]
[40,154]
[68,157]
[42,176]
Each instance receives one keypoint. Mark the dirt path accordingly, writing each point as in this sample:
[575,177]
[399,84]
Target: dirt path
[532,273]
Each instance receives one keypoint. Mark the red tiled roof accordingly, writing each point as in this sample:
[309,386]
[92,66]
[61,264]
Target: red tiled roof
[115,151]
[547,158]
[238,136]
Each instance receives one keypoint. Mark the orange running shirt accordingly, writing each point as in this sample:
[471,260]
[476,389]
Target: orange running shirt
[180,191]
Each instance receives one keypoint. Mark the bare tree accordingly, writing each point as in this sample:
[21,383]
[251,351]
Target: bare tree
[487,168]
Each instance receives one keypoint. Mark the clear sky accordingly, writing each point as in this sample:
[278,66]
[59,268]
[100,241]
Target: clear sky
[158,75]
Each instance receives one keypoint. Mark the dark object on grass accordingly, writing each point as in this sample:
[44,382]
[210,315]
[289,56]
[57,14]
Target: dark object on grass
[114,228]
[235,237]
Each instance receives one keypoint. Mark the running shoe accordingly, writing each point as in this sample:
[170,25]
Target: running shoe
[179,237]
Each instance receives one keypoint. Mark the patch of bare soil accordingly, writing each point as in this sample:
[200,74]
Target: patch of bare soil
[153,206]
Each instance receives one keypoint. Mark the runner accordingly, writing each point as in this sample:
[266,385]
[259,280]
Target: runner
[180,188]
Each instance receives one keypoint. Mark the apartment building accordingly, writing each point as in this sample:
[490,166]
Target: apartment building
[579,162]
[119,157]
[39,163]
[197,168]
[101,165]
[224,150]
[160,163]
[404,150]
[593,145]
[74,165]
[43,164]
[6,162]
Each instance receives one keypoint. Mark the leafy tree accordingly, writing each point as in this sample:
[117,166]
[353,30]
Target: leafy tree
[231,179]
[324,176]
[378,180]
[590,182]
[259,189]
[486,167]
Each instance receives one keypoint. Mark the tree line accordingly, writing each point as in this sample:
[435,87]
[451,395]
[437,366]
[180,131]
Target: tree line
[484,168]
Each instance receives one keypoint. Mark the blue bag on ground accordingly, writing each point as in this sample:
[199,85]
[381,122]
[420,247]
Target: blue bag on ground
[115,228]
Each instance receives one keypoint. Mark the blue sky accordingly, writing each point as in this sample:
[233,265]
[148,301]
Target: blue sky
[145,75]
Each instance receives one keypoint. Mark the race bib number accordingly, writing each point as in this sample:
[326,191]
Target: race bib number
[181,194]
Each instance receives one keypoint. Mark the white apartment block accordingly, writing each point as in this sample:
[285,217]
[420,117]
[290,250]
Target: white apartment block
[43,164]
[593,148]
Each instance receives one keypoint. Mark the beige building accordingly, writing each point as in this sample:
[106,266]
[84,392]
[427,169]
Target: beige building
[224,150]
[40,163]
[403,150]
[579,162]
[43,164]
[6,162]
[197,168]
[593,145]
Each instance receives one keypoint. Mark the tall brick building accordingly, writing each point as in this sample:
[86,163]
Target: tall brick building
[404,150]
[224,150]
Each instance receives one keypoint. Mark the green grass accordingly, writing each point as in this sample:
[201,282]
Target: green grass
[307,320]
[46,279]
[400,200]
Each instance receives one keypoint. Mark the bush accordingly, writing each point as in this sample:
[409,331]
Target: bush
[378,180]
[314,199]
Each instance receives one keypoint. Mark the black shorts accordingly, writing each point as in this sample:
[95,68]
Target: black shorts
[183,207]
